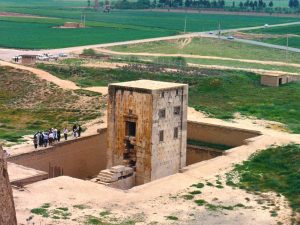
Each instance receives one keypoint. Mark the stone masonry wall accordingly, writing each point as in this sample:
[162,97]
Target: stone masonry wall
[169,156]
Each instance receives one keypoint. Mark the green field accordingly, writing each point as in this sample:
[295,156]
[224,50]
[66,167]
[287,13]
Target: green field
[292,32]
[218,93]
[103,27]
[275,169]
[221,48]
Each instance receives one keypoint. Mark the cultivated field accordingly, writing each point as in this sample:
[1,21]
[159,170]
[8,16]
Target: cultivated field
[224,53]
[278,35]
[103,28]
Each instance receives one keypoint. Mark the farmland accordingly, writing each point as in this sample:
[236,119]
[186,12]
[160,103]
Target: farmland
[214,92]
[280,35]
[202,46]
[228,53]
[120,25]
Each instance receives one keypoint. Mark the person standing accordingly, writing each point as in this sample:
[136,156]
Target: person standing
[75,130]
[51,138]
[41,141]
[55,134]
[58,135]
[66,133]
[79,131]
[46,139]
[35,141]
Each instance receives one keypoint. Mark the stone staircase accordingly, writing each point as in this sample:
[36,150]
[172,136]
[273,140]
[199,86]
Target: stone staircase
[114,176]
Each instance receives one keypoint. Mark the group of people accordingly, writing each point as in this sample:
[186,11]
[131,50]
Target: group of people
[45,138]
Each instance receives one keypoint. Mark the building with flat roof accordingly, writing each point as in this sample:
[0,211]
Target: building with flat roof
[147,127]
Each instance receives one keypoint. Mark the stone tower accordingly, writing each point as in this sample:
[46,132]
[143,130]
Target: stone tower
[7,208]
[147,127]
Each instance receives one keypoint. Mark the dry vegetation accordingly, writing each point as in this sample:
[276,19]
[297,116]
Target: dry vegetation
[28,104]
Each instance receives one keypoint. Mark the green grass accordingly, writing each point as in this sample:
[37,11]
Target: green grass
[221,48]
[218,93]
[120,25]
[292,31]
[274,169]
[171,217]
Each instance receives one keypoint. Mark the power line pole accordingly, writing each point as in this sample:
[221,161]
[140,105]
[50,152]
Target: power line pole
[287,47]
[184,25]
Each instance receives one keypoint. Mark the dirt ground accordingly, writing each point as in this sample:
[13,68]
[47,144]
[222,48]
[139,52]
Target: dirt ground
[164,201]
[11,14]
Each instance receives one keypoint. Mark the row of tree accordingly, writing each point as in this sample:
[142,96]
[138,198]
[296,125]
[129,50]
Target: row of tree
[246,5]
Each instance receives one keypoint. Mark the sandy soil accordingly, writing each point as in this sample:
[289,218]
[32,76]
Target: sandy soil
[11,14]
[155,201]
[257,71]
[110,65]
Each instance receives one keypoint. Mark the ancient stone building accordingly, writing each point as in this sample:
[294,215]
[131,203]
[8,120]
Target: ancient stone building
[7,208]
[147,127]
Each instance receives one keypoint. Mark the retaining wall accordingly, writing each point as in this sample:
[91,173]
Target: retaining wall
[218,134]
[81,158]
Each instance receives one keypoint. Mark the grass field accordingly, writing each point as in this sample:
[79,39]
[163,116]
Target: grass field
[219,93]
[280,174]
[281,33]
[103,27]
[21,114]
[221,48]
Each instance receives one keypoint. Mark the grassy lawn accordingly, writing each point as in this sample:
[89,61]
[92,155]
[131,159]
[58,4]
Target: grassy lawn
[221,48]
[120,25]
[275,169]
[219,93]
[28,104]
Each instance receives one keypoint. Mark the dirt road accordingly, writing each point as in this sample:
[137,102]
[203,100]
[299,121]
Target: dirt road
[274,63]
[65,84]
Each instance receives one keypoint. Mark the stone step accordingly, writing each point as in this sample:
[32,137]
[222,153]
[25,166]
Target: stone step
[107,179]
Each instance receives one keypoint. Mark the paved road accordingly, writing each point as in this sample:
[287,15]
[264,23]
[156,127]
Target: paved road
[7,54]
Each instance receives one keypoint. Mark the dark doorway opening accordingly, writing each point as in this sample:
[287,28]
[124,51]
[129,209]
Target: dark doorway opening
[280,81]
[130,129]
[130,141]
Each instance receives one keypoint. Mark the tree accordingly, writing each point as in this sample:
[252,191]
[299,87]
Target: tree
[255,4]
[271,4]
[241,5]
[233,4]
[296,3]
[89,3]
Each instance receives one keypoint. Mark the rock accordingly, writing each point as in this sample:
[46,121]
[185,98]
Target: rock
[7,207]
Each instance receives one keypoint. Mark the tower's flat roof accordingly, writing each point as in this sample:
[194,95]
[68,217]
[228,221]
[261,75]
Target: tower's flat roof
[148,84]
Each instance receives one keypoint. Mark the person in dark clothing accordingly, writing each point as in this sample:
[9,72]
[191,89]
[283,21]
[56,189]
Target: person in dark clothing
[75,130]
[79,131]
[41,139]
[58,135]
[35,142]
